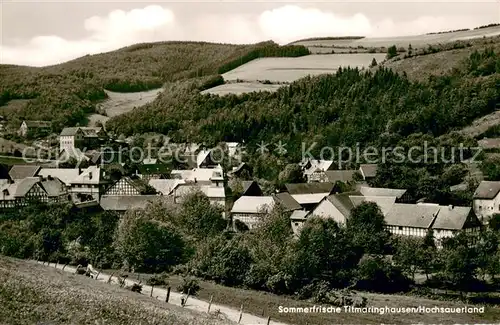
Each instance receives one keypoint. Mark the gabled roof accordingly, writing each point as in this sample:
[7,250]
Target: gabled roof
[132,202]
[309,188]
[25,185]
[202,156]
[249,187]
[299,215]
[91,132]
[385,203]
[64,174]
[342,202]
[318,166]
[368,170]
[253,204]
[377,191]
[452,218]
[164,186]
[210,191]
[287,201]
[137,184]
[343,176]
[22,171]
[91,175]
[71,131]
[53,187]
[412,215]
[487,190]
[309,198]
[38,124]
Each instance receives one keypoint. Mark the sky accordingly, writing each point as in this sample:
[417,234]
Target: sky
[43,32]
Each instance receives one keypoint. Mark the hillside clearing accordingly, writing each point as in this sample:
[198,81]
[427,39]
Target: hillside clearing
[34,294]
[291,69]
[120,103]
[416,41]
[240,88]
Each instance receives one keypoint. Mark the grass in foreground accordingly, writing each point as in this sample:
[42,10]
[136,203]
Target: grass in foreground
[34,294]
[265,304]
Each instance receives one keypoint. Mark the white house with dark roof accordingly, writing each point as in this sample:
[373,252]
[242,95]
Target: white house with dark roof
[486,200]
[89,185]
[78,137]
[314,170]
[216,194]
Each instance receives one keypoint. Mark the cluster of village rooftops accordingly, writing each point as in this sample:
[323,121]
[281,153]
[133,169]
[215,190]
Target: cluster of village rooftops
[23,184]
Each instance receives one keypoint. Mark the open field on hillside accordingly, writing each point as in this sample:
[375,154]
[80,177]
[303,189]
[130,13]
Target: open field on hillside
[240,88]
[291,69]
[268,305]
[416,41]
[120,103]
[35,294]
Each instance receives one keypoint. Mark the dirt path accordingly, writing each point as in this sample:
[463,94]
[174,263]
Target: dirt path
[192,303]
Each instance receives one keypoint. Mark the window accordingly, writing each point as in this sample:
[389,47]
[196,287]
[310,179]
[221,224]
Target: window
[296,224]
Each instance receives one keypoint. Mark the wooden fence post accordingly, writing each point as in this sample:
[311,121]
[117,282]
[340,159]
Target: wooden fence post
[109,279]
[97,276]
[168,294]
[57,263]
[241,314]
[64,266]
[151,294]
[185,301]
[268,320]
[210,303]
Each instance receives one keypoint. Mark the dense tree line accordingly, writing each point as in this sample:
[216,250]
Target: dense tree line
[192,239]
[269,50]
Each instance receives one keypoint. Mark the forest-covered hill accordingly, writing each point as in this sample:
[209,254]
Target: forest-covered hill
[67,92]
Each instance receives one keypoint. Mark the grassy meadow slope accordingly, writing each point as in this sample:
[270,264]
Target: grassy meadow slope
[34,294]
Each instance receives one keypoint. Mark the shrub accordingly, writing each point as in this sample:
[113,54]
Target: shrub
[190,285]
[158,280]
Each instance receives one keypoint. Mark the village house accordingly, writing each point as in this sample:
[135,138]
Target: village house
[250,209]
[417,219]
[203,176]
[308,195]
[38,128]
[243,171]
[368,171]
[216,194]
[81,137]
[486,200]
[33,189]
[89,185]
[314,170]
